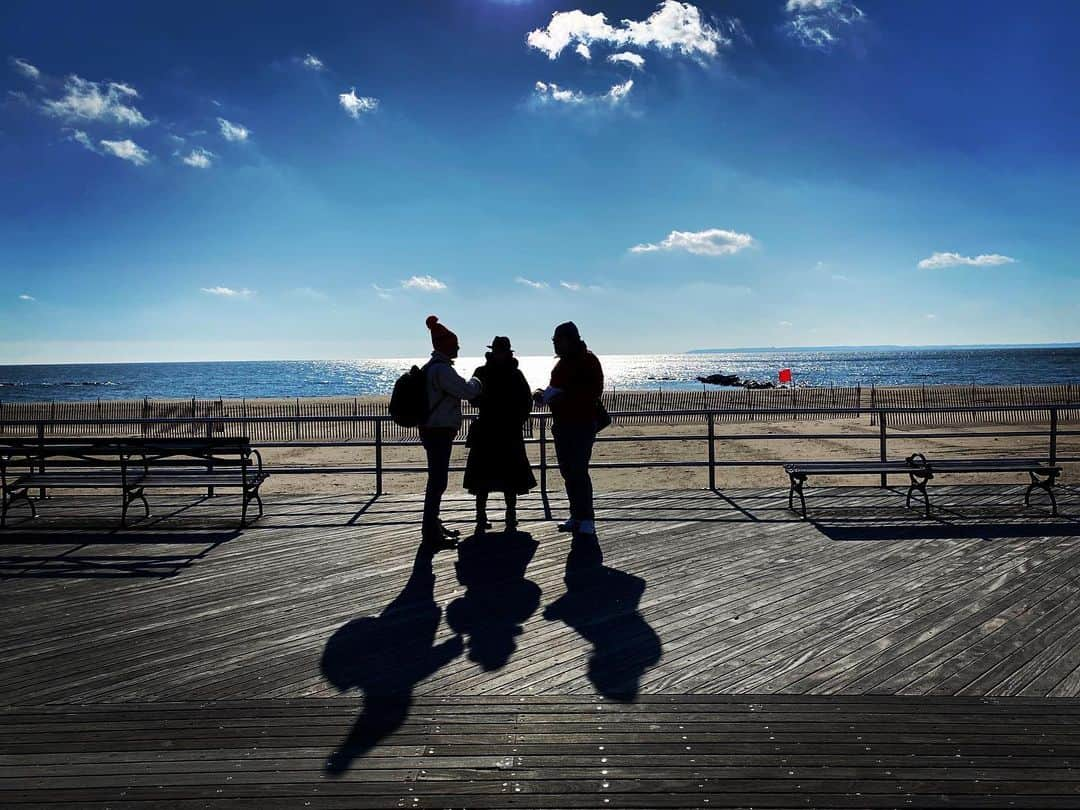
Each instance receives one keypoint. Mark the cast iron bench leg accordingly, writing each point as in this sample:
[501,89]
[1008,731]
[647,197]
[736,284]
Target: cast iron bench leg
[22,494]
[797,481]
[918,482]
[1047,486]
[131,495]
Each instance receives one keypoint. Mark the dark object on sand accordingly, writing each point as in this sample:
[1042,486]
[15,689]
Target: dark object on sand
[734,381]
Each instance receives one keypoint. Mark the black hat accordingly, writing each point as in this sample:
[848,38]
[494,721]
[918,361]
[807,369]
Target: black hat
[500,344]
[568,330]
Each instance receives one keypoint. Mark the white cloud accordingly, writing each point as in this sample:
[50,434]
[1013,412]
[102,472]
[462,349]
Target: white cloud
[839,277]
[546,92]
[382,292]
[127,150]
[80,137]
[424,283]
[628,58]
[312,62]
[930,316]
[199,158]
[96,101]
[673,26]
[228,292]
[939,260]
[536,285]
[820,23]
[233,132]
[355,105]
[573,286]
[25,297]
[786,324]
[25,68]
[711,242]
[583,51]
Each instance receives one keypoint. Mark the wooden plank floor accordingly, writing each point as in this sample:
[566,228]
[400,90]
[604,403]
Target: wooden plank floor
[711,650]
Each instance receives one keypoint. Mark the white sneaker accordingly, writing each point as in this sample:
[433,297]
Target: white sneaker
[570,525]
[586,527]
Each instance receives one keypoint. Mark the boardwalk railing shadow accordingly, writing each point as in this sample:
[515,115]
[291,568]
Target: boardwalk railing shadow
[76,562]
[601,604]
[946,531]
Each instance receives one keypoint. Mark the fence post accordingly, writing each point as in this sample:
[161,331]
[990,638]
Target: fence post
[712,451]
[297,421]
[378,457]
[883,445]
[41,446]
[209,455]
[1053,435]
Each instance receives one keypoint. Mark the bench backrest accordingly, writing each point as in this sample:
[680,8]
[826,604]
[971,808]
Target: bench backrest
[94,450]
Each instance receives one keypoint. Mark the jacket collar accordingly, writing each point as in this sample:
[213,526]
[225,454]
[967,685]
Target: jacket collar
[439,357]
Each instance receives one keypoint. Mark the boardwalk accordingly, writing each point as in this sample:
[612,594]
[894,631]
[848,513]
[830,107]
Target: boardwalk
[721,653]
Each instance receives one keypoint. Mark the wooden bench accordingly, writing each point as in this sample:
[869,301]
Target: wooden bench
[920,471]
[131,465]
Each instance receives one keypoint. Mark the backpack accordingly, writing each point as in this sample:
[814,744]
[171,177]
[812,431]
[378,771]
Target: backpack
[409,401]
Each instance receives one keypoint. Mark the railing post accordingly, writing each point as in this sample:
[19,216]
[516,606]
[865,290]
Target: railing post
[883,445]
[209,456]
[712,451]
[378,457]
[1053,435]
[41,447]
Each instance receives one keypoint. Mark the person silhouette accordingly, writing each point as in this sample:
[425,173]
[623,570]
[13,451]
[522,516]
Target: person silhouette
[601,604]
[385,656]
[498,599]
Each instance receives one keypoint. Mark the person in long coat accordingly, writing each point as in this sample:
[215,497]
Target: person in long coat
[497,459]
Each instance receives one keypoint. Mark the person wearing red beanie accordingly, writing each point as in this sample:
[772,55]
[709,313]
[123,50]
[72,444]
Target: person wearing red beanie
[445,390]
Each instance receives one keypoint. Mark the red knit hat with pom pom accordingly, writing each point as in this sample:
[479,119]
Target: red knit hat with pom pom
[442,339]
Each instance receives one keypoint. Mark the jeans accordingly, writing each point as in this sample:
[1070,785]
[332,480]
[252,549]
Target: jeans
[438,442]
[573,446]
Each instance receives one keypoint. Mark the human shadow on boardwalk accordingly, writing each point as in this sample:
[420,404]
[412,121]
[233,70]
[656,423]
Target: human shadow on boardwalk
[385,656]
[601,604]
[498,599]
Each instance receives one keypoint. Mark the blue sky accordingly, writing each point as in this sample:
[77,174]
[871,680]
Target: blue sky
[266,181]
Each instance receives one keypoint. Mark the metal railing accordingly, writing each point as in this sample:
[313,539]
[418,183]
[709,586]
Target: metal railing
[213,426]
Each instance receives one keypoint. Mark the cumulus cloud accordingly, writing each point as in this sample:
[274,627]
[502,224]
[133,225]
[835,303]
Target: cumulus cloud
[199,158]
[127,150]
[583,51]
[674,26]
[312,62]
[233,132]
[423,283]
[821,23]
[627,58]
[711,242]
[355,105]
[25,297]
[939,260]
[786,324]
[546,92]
[25,68]
[536,285]
[573,286]
[228,292]
[80,137]
[108,102]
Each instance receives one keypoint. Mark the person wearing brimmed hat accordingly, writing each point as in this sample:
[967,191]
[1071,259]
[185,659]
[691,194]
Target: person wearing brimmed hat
[577,381]
[445,390]
[497,459]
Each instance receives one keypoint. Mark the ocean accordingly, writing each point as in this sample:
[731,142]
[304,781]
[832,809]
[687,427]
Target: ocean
[815,367]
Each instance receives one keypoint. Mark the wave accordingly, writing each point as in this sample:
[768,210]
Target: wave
[61,384]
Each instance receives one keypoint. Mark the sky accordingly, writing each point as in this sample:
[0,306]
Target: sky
[214,181]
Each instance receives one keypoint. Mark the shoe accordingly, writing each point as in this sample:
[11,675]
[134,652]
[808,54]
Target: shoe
[570,526]
[448,532]
[511,519]
[482,523]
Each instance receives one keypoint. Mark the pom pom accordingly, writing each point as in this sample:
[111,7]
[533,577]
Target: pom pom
[431,321]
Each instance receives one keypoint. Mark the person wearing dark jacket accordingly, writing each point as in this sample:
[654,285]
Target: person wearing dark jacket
[577,381]
[497,460]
